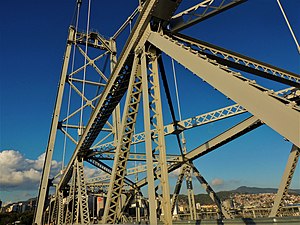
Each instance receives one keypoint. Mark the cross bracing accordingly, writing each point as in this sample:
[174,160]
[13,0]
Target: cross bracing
[135,76]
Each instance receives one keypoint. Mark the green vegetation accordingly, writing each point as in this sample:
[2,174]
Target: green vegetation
[204,199]
[25,218]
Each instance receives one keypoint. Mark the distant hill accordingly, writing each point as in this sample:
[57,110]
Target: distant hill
[256,190]
[204,199]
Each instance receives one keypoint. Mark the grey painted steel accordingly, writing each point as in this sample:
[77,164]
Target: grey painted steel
[260,101]
[82,196]
[124,143]
[117,112]
[52,136]
[148,144]
[135,156]
[77,202]
[185,124]
[60,208]
[263,105]
[114,89]
[286,180]
[188,123]
[158,143]
[97,163]
[190,193]
[225,137]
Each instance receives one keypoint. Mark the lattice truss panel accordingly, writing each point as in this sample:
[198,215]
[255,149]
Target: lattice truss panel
[119,106]
[87,76]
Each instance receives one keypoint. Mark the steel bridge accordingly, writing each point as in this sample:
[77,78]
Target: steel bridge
[117,102]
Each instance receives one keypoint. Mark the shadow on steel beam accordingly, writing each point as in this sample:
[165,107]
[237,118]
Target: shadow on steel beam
[248,221]
[219,222]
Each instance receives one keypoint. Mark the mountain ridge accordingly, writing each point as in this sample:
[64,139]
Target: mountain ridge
[204,199]
[256,190]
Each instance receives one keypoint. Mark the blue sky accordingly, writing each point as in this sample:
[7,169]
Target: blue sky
[33,37]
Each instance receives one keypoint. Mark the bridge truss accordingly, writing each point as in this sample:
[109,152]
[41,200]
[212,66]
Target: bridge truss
[131,94]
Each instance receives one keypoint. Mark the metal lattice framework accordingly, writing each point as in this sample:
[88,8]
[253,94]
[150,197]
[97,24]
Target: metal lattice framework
[107,135]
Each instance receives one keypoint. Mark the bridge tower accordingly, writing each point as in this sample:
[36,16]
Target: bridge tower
[118,100]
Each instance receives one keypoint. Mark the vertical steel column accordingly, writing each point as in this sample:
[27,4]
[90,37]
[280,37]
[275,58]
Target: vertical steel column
[286,180]
[189,183]
[49,213]
[112,206]
[78,197]
[82,194]
[69,211]
[116,114]
[52,136]
[190,192]
[54,213]
[148,142]
[137,206]
[60,197]
[73,198]
[156,120]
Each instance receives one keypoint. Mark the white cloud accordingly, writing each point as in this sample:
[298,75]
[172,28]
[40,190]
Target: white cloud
[21,173]
[175,173]
[90,172]
[217,182]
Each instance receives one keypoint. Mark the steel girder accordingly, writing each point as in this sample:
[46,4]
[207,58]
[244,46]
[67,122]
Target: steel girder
[52,136]
[256,99]
[189,123]
[117,86]
[240,62]
[201,11]
[76,208]
[192,122]
[240,129]
[190,193]
[129,171]
[97,163]
[60,219]
[135,157]
[112,206]
[75,39]
[229,135]
[155,144]
[118,82]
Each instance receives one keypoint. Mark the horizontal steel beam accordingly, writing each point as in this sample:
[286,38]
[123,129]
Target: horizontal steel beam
[229,135]
[93,39]
[188,123]
[130,171]
[95,162]
[135,157]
